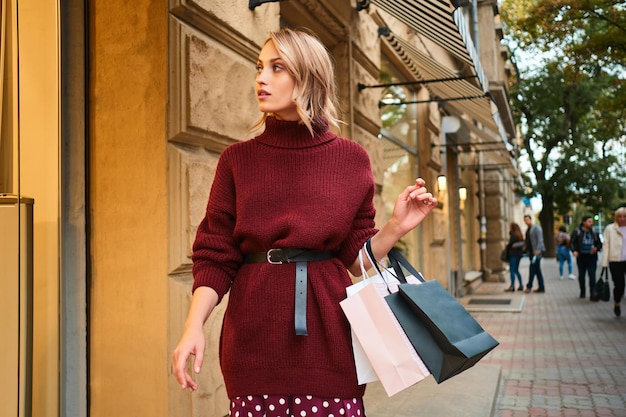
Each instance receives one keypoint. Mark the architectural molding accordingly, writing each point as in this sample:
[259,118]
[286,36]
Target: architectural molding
[189,172]
[366,123]
[324,21]
[183,39]
[191,14]
[367,64]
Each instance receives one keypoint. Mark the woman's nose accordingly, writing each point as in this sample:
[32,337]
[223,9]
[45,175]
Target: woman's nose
[261,78]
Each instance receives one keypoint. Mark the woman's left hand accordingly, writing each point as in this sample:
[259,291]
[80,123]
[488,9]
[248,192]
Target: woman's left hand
[412,206]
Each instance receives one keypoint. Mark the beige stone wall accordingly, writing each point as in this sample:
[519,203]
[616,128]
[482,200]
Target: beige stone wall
[489,42]
[498,198]
[212,54]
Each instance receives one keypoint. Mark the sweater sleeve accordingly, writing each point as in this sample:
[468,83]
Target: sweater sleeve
[363,225]
[216,256]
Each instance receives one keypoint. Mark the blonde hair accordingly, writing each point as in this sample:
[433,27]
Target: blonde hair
[618,212]
[311,67]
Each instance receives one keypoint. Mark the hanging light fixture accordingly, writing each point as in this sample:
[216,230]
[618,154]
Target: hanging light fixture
[442,183]
[462,193]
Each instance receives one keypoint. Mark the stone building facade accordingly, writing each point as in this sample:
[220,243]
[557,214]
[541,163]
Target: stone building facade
[147,95]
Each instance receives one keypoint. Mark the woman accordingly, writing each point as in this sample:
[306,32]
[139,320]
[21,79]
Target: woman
[614,255]
[562,241]
[515,251]
[285,346]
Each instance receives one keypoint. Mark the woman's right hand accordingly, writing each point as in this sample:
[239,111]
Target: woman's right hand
[191,344]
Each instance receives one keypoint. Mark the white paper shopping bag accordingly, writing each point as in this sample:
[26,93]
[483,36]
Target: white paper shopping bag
[380,336]
[390,353]
[364,371]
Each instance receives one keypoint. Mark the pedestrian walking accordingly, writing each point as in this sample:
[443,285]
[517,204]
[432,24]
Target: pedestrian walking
[515,253]
[563,254]
[535,248]
[614,255]
[585,245]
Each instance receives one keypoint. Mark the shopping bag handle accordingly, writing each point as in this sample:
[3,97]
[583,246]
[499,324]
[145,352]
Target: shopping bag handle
[367,247]
[604,273]
[370,256]
[363,271]
[397,261]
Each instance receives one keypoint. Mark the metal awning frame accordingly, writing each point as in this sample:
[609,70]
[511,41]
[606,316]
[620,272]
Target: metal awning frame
[382,104]
[480,107]
[362,86]
[450,145]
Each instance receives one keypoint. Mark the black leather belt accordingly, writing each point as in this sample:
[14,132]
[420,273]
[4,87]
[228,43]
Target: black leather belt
[283,256]
[300,257]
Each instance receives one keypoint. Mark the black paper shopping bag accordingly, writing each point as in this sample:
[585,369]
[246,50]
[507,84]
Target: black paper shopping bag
[445,335]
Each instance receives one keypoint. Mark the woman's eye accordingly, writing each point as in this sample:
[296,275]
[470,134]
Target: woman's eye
[275,68]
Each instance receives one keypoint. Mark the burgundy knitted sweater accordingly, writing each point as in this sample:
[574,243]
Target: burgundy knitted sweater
[286,189]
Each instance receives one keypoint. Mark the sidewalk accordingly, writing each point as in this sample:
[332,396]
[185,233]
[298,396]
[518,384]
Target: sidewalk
[559,356]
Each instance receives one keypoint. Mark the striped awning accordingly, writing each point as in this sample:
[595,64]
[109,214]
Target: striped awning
[441,22]
[460,95]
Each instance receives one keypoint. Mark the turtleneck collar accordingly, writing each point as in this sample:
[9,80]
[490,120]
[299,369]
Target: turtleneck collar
[293,134]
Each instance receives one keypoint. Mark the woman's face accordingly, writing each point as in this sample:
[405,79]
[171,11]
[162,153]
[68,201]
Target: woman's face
[621,219]
[274,85]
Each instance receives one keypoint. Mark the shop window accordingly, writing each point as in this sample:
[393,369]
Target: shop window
[399,137]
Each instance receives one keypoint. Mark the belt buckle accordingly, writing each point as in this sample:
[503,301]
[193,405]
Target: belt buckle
[272,254]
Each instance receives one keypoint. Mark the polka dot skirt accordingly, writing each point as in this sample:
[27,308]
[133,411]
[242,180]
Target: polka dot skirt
[295,406]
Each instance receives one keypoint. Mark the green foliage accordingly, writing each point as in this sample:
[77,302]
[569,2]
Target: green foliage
[572,105]
[584,30]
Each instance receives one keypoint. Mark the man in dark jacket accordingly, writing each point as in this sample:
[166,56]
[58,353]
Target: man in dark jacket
[585,245]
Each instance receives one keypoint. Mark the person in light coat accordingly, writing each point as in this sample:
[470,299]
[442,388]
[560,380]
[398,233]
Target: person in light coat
[614,255]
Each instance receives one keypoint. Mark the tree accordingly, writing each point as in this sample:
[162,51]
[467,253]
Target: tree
[584,30]
[583,33]
[571,105]
[570,158]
